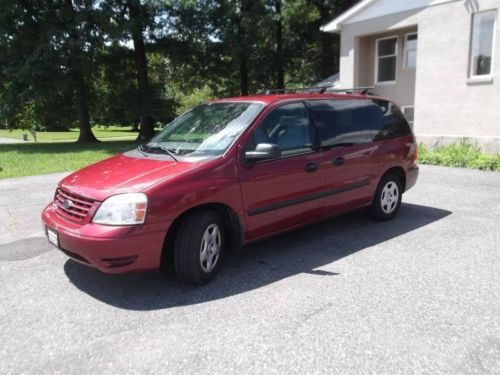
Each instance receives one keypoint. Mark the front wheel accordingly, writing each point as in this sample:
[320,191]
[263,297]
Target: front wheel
[387,199]
[199,247]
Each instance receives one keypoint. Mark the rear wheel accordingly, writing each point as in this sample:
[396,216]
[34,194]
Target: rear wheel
[199,247]
[387,199]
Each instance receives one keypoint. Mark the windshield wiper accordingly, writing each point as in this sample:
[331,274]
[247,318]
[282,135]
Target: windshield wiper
[157,149]
[142,151]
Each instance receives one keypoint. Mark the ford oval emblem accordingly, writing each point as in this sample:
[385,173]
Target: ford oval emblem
[67,204]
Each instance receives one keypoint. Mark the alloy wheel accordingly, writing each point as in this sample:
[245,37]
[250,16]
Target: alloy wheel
[389,197]
[210,248]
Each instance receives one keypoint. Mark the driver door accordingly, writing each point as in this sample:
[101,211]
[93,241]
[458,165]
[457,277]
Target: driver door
[282,193]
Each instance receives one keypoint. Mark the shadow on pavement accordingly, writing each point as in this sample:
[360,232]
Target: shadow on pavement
[301,251]
[26,248]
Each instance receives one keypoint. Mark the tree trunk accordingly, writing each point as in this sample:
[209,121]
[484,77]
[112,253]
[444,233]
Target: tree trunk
[243,73]
[13,108]
[146,131]
[327,56]
[82,108]
[242,42]
[280,68]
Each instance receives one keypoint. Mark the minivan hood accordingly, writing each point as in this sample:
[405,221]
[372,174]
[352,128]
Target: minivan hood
[122,174]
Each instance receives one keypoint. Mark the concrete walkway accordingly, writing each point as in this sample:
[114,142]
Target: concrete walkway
[4,140]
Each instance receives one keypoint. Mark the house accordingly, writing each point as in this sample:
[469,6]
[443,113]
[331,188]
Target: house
[438,59]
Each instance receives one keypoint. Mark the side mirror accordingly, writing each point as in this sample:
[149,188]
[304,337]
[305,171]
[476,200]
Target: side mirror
[264,151]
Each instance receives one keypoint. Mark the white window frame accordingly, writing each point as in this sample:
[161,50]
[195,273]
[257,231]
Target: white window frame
[482,77]
[377,57]
[403,108]
[405,49]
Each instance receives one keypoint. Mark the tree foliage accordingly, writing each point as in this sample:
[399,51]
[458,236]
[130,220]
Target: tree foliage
[75,63]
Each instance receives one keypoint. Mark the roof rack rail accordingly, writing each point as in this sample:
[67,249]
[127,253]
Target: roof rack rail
[319,90]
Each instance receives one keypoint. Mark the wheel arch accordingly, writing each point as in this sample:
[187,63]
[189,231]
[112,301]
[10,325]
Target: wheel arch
[398,171]
[235,234]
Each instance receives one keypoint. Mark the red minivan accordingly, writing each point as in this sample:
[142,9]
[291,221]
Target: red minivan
[230,172]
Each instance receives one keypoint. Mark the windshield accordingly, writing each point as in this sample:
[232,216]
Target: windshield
[208,129]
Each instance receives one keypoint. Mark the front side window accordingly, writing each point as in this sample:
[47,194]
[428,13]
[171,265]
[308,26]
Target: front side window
[208,129]
[410,53]
[483,36]
[386,55]
[286,126]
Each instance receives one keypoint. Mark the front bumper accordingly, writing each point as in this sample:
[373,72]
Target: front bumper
[110,249]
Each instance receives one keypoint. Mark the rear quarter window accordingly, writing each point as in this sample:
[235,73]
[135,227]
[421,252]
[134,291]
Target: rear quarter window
[394,122]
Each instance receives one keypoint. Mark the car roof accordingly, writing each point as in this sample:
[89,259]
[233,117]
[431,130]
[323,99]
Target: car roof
[273,98]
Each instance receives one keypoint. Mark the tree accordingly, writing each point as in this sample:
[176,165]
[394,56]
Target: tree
[49,47]
[328,10]
[137,14]
[130,20]
[240,26]
[137,61]
[76,22]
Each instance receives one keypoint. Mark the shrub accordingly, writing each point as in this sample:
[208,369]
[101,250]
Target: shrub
[28,119]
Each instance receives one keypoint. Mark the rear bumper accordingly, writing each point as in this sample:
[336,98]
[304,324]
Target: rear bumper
[411,177]
[107,248]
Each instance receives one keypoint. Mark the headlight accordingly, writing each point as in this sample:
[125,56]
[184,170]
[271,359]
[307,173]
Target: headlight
[122,209]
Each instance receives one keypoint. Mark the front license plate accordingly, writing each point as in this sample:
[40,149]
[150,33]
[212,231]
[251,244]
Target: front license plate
[53,237]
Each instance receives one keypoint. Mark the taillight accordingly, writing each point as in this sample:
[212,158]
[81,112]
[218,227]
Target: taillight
[414,157]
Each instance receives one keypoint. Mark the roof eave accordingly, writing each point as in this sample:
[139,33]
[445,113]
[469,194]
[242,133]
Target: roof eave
[334,26]
[329,28]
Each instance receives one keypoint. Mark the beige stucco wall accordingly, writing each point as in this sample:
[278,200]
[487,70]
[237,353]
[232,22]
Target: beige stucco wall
[403,92]
[445,102]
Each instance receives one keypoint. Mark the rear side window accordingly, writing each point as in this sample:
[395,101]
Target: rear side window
[344,122]
[348,122]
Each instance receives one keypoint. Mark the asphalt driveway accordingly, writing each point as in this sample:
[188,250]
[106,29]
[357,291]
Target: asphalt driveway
[419,294]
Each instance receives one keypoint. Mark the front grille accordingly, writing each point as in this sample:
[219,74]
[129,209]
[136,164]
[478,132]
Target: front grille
[76,208]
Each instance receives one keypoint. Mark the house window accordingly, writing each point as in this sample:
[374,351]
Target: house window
[409,112]
[386,59]
[410,53]
[483,36]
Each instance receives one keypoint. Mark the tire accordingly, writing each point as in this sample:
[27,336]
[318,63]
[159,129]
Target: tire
[387,198]
[199,247]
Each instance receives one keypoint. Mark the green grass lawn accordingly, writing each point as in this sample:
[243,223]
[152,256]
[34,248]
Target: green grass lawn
[100,133]
[462,155]
[26,159]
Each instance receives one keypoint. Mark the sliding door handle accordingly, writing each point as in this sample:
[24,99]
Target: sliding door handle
[339,161]
[311,167]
